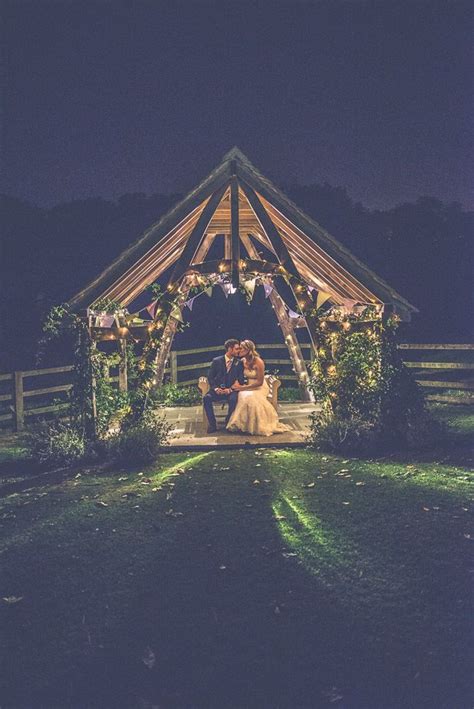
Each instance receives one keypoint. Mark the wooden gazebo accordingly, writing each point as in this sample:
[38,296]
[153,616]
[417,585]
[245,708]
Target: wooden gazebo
[241,213]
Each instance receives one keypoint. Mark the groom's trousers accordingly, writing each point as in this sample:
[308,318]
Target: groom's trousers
[211,396]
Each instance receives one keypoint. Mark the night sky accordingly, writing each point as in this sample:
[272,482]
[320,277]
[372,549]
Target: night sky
[107,98]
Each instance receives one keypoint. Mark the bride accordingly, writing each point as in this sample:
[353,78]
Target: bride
[254,413]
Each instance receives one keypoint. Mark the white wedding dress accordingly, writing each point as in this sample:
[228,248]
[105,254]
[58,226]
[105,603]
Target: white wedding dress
[254,414]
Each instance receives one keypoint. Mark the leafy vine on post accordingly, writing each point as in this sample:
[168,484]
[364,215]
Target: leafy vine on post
[370,401]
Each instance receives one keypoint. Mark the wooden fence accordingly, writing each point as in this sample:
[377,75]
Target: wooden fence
[18,389]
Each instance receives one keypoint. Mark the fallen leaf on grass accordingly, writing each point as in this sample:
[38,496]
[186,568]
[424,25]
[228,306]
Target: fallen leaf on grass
[100,503]
[426,509]
[11,600]
[467,536]
[149,658]
[343,470]
[288,554]
[222,567]
[309,485]
[256,482]
[346,503]
[122,479]
[155,489]
[279,517]
[360,483]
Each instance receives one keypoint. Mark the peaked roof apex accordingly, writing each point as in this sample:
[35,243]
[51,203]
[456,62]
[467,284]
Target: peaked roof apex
[235,154]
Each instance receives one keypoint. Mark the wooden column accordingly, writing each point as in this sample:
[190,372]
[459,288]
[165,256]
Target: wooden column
[18,398]
[162,356]
[287,329]
[93,385]
[291,341]
[123,378]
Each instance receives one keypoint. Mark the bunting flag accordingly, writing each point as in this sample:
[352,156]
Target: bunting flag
[322,298]
[250,286]
[151,308]
[208,291]
[190,302]
[176,314]
[292,314]
[105,320]
[227,288]
[268,289]
[349,304]
[311,289]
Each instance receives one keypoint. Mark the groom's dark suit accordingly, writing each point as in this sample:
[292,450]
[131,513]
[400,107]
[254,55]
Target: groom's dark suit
[219,377]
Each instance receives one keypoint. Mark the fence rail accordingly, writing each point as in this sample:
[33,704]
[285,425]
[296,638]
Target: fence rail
[18,394]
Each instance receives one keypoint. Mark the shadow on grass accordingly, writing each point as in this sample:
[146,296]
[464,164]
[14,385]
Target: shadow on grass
[216,591]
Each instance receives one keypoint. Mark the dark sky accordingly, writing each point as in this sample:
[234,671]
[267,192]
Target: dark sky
[106,98]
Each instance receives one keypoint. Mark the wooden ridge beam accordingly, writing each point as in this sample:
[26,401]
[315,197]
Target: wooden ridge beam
[234,231]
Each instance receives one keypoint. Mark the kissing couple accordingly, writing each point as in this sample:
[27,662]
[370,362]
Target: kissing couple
[238,378]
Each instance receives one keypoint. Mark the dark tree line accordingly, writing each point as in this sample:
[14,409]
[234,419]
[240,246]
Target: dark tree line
[423,249]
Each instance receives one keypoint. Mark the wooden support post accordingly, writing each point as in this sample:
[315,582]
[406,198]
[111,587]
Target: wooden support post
[93,385]
[234,231]
[168,336]
[123,377]
[18,398]
[174,366]
[287,330]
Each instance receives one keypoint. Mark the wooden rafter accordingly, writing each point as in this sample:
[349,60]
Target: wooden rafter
[282,253]
[197,235]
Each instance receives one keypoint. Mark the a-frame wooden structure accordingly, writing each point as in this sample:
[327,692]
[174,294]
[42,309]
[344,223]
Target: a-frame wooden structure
[239,206]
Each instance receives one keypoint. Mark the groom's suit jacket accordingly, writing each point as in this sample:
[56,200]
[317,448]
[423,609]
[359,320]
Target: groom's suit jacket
[218,374]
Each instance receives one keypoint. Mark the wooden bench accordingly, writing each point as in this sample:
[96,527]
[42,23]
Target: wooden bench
[220,408]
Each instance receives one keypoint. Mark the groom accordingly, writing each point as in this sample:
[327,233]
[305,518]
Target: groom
[224,371]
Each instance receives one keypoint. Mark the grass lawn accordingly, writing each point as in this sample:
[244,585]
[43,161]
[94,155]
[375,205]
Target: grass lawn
[253,578]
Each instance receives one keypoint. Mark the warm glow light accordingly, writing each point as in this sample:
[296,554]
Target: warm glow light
[346,326]
[331,370]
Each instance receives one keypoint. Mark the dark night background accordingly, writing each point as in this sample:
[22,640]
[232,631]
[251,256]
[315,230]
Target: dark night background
[360,111]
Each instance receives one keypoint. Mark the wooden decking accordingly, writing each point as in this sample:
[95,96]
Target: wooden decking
[189,431]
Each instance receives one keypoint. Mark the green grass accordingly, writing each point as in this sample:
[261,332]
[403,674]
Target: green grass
[249,588]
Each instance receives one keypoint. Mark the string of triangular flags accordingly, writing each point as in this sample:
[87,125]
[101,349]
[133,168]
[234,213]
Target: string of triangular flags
[110,320]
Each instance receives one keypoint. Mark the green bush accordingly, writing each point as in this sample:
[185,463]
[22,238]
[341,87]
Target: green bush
[56,444]
[140,442]
[370,400]
[345,436]
[175,395]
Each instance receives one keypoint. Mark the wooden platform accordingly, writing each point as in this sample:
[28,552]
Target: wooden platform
[189,432]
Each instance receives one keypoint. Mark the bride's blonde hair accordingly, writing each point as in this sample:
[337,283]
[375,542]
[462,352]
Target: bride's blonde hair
[250,346]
